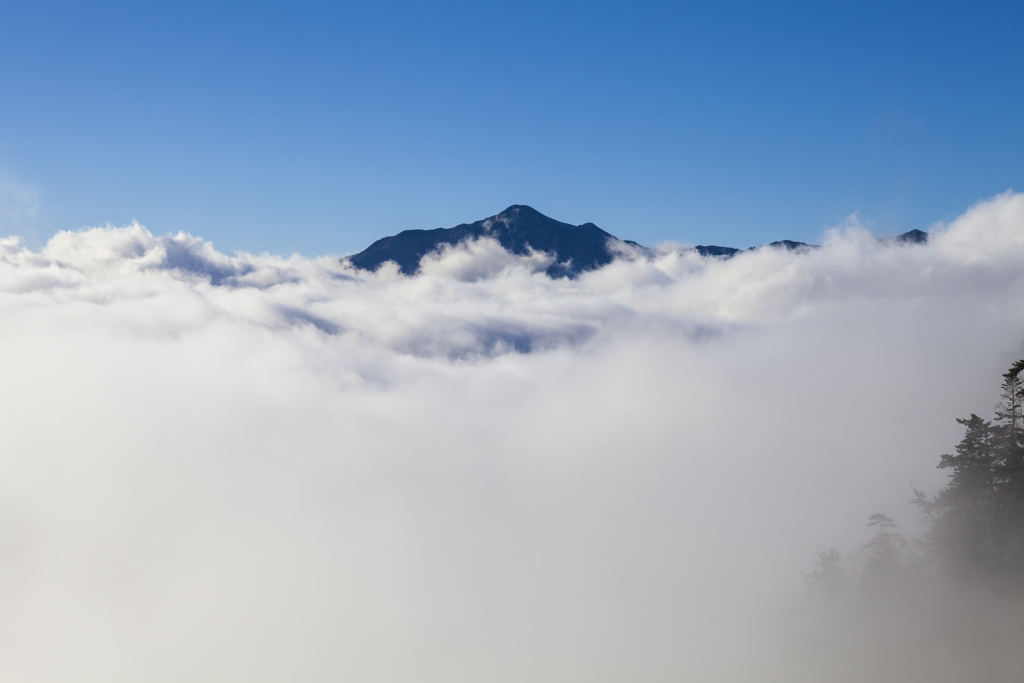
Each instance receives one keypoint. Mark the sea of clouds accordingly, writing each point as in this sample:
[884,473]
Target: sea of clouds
[259,468]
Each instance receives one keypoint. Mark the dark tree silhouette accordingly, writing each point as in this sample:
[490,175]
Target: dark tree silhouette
[976,529]
[883,550]
[829,579]
[976,522]
[977,525]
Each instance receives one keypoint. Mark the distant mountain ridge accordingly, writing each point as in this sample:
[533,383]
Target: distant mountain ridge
[520,228]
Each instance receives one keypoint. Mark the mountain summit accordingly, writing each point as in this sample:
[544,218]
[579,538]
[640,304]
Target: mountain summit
[518,229]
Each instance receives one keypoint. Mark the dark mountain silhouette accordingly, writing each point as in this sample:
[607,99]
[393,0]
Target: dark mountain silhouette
[712,250]
[791,245]
[520,228]
[729,252]
[912,237]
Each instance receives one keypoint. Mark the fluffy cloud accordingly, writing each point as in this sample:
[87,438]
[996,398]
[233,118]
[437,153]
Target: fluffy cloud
[263,468]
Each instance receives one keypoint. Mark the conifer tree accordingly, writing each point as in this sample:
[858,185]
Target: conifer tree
[977,520]
[828,580]
[883,550]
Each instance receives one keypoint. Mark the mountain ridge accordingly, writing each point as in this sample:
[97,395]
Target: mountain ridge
[521,229]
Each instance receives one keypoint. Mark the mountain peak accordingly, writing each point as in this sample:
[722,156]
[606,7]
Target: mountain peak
[912,237]
[521,209]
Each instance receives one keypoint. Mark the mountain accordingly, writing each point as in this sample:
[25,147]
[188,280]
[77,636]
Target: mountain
[712,250]
[912,237]
[791,245]
[518,229]
[729,252]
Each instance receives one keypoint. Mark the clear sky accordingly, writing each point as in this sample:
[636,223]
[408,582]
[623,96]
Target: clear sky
[318,128]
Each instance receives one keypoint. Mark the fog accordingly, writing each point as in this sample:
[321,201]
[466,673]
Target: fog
[260,468]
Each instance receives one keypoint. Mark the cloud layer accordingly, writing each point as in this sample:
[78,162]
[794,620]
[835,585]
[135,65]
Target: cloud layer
[248,467]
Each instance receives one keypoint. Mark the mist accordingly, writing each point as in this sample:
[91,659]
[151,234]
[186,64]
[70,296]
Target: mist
[262,468]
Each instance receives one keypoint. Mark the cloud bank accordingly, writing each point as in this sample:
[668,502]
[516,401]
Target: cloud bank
[248,467]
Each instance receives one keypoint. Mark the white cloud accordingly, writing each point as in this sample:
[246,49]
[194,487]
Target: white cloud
[262,468]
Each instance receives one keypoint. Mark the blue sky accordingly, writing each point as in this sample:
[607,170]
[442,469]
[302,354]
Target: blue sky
[318,128]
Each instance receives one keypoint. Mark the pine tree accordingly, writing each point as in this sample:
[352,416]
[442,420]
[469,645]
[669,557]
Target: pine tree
[1010,409]
[828,580]
[977,520]
[964,528]
[1009,476]
[883,550]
